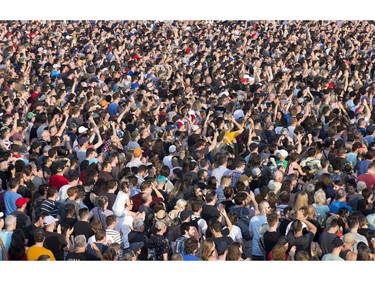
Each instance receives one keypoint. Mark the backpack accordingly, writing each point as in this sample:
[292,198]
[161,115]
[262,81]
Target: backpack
[243,222]
[194,221]
[262,246]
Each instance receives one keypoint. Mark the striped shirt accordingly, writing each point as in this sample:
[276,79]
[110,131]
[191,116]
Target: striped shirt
[49,206]
[113,235]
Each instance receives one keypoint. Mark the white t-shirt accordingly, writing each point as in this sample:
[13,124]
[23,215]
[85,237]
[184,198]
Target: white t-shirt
[124,226]
[118,207]
[235,233]
[63,195]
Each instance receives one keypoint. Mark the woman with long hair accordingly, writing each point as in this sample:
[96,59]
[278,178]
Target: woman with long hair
[178,208]
[101,211]
[234,252]
[327,185]
[17,249]
[302,200]
[176,194]
[208,250]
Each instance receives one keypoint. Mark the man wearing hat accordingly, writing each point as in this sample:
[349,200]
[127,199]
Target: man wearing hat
[337,245]
[222,249]
[136,158]
[137,234]
[23,220]
[167,160]
[136,248]
[56,242]
[282,154]
[158,247]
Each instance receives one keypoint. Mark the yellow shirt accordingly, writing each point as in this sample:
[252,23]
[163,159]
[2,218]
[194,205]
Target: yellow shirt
[35,252]
[229,137]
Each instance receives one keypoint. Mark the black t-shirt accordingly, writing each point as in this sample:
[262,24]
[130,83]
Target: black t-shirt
[29,234]
[87,201]
[226,239]
[81,257]
[33,134]
[302,243]
[83,227]
[4,176]
[55,243]
[270,240]
[23,220]
[70,221]
[135,236]
[149,216]
[111,199]
[159,245]
[210,212]
[283,226]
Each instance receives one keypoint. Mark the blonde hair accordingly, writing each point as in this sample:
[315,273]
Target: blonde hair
[302,200]
[180,205]
[278,252]
[206,249]
[320,197]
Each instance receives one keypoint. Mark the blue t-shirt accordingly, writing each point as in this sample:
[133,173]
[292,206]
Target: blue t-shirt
[362,166]
[336,205]
[112,108]
[10,198]
[6,237]
[190,258]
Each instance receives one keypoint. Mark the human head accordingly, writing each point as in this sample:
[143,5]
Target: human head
[191,246]
[234,252]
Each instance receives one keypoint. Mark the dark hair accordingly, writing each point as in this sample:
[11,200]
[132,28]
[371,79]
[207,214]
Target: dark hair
[191,245]
[17,245]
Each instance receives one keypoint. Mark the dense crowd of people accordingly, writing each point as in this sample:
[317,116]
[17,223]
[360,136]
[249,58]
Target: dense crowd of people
[187,140]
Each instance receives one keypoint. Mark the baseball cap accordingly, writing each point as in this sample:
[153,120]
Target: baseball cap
[185,214]
[255,172]
[137,151]
[30,115]
[49,220]
[223,94]
[82,129]
[172,149]
[136,246]
[282,152]
[160,224]
[243,178]
[337,242]
[21,201]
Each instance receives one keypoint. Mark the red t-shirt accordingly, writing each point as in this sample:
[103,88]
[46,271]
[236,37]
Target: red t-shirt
[57,181]
[137,201]
[369,179]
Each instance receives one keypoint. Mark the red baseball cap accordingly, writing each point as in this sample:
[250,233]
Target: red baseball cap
[21,201]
